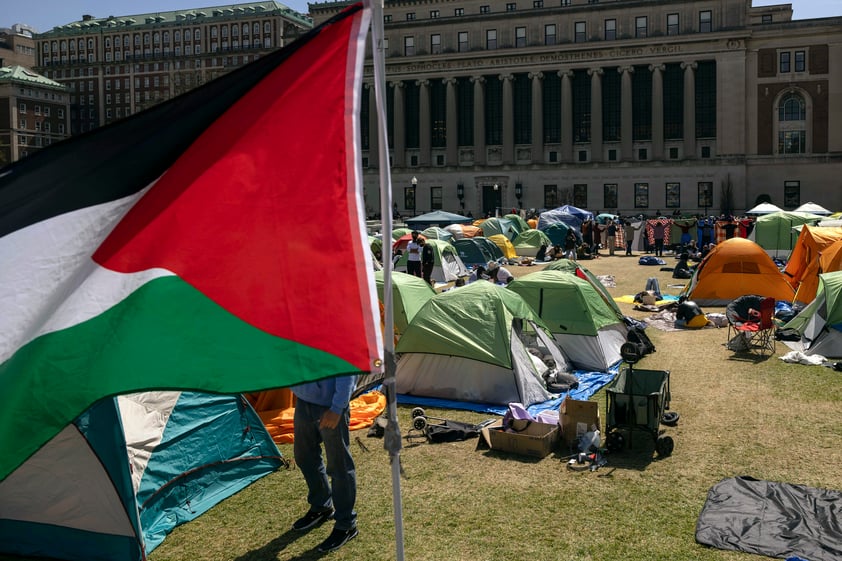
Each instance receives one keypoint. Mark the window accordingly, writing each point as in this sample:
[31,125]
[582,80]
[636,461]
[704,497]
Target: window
[766,18]
[673,195]
[463,41]
[408,46]
[785,61]
[566,2]
[673,153]
[705,21]
[410,16]
[641,27]
[641,195]
[409,198]
[551,196]
[550,34]
[792,125]
[387,18]
[435,43]
[580,32]
[46,111]
[434,14]
[610,29]
[459,12]
[490,39]
[22,107]
[792,194]
[642,154]
[485,9]
[609,195]
[800,61]
[672,24]
[537,3]
[582,155]
[511,6]
[435,198]
[580,195]
[612,155]
[520,36]
[705,194]
[705,151]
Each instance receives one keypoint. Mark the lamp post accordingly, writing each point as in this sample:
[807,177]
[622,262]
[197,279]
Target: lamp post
[496,200]
[410,199]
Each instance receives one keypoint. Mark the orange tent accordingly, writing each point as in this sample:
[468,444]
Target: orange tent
[803,268]
[277,409]
[734,268]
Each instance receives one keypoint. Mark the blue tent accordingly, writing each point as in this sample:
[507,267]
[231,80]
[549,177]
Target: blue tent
[114,483]
[549,217]
[579,213]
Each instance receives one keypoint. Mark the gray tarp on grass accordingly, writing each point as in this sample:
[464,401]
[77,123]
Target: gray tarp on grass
[773,519]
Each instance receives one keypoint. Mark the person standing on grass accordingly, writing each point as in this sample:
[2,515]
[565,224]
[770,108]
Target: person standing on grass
[612,237]
[322,414]
[427,261]
[413,257]
[628,233]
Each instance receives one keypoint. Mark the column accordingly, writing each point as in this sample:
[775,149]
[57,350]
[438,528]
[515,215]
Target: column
[596,113]
[537,118]
[479,120]
[424,129]
[689,108]
[657,111]
[566,115]
[627,124]
[373,129]
[451,124]
[399,150]
[508,119]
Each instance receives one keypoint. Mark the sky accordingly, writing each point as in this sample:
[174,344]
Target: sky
[43,15]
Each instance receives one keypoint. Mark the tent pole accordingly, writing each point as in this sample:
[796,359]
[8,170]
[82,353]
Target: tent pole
[392,436]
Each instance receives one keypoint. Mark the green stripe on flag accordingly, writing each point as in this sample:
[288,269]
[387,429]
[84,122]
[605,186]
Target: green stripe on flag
[165,335]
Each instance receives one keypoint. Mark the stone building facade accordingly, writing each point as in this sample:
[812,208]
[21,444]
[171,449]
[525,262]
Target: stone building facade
[624,106]
[118,65]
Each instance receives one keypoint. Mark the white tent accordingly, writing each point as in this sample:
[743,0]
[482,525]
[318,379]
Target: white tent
[813,208]
[764,208]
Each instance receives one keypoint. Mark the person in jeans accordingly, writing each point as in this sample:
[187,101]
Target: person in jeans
[322,414]
[413,258]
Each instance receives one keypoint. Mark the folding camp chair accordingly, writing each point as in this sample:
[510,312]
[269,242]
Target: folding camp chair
[751,325]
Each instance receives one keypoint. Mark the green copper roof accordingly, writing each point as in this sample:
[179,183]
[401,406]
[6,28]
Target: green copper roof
[22,74]
[192,15]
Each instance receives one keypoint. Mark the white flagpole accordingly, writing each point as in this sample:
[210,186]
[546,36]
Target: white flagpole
[392,436]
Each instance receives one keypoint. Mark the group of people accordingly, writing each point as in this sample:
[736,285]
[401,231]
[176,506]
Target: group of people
[420,258]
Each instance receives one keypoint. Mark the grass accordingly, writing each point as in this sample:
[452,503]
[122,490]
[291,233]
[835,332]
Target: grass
[767,419]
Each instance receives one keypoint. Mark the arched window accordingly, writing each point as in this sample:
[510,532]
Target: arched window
[792,124]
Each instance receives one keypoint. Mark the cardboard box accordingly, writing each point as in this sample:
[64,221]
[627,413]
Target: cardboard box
[576,418]
[536,440]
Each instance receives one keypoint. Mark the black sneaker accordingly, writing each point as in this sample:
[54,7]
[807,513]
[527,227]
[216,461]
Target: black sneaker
[312,519]
[337,539]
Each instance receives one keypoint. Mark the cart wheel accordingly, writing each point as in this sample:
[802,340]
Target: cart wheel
[417,412]
[670,418]
[664,446]
[615,442]
[419,423]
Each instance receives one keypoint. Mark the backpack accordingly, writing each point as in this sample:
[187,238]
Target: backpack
[638,337]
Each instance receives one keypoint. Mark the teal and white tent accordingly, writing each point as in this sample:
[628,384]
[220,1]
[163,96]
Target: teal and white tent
[447,265]
[114,483]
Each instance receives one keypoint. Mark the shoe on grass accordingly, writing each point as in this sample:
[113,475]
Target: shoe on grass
[337,539]
[312,519]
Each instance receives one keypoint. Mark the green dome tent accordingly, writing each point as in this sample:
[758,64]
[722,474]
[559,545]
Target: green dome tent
[573,267]
[773,232]
[519,223]
[409,294]
[496,226]
[447,267]
[477,251]
[585,326]
[529,242]
[436,233]
[820,322]
[470,344]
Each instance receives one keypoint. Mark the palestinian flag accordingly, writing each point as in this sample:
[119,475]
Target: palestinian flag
[215,242]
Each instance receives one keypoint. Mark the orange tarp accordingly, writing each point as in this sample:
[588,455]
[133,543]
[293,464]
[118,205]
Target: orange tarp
[276,409]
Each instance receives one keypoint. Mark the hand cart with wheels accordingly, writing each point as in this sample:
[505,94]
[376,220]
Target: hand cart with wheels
[636,401]
[446,430]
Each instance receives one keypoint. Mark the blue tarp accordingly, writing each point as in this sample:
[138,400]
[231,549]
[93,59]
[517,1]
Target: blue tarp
[589,384]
